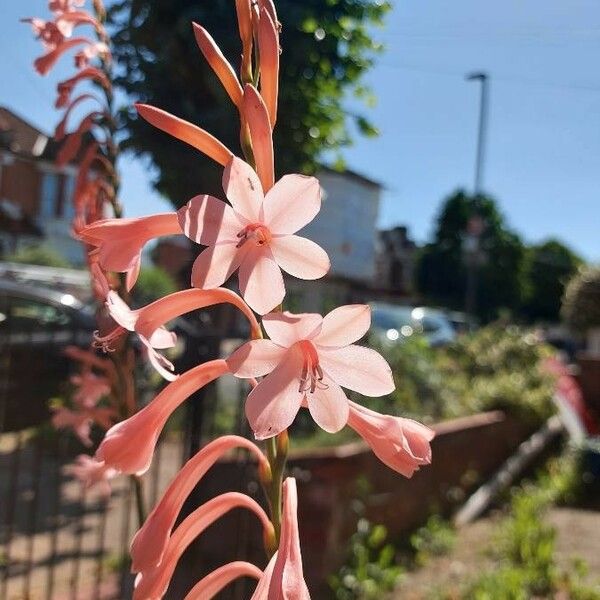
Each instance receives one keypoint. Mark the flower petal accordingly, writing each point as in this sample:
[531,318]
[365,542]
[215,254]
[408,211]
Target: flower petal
[356,368]
[344,325]
[285,328]
[273,404]
[255,358]
[329,406]
[300,257]
[261,282]
[208,220]
[215,265]
[293,202]
[243,189]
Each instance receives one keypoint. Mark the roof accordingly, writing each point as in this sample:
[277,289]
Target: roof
[352,175]
[20,136]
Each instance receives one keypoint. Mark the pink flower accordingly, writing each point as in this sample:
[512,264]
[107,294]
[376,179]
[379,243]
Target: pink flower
[120,241]
[151,584]
[65,88]
[128,446]
[402,444]
[92,473]
[148,321]
[284,578]
[90,389]
[60,6]
[306,360]
[255,234]
[149,543]
[44,63]
[157,339]
[80,421]
[214,582]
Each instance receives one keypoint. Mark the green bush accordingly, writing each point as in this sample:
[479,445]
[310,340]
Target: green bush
[39,255]
[581,302]
[152,283]
[435,538]
[370,570]
[496,367]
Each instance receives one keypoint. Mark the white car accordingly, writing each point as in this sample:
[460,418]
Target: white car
[391,323]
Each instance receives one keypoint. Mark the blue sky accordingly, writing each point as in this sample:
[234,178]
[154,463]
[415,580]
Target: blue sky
[544,139]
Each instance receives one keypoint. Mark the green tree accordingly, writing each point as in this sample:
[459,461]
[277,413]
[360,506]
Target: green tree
[442,272]
[548,268]
[39,255]
[327,47]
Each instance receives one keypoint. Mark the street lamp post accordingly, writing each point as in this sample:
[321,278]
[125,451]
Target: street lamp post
[475,227]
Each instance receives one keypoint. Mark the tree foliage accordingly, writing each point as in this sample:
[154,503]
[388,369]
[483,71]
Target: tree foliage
[548,268]
[442,271]
[327,47]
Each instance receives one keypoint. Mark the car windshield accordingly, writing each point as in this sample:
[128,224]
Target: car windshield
[390,318]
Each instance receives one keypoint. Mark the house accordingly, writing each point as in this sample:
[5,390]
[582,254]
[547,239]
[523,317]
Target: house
[35,196]
[395,262]
[346,227]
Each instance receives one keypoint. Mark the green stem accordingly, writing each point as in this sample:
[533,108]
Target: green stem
[277,450]
[140,504]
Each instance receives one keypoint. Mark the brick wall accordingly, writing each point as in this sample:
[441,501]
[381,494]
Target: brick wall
[465,452]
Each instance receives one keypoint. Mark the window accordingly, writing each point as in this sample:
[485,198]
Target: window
[68,208]
[49,197]
[32,315]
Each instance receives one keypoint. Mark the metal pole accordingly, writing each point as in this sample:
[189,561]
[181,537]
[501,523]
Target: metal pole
[472,254]
[483,78]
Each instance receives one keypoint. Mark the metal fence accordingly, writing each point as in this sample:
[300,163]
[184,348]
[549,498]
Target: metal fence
[58,541]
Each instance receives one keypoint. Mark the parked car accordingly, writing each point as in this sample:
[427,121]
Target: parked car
[36,325]
[391,323]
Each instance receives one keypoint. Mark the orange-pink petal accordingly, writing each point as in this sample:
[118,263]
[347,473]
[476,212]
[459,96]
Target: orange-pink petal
[274,403]
[357,368]
[186,132]
[286,328]
[207,220]
[128,446]
[328,406]
[215,265]
[257,116]
[344,325]
[243,189]
[152,583]
[149,543]
[220,578]
[219,64]
[268,44]
[260,280]
[292,203]
[255,358]
[300,256]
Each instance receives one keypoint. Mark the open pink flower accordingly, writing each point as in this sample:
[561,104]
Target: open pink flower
[284,578]
[307,359]
[120,241]
[128,446]
[255,234]
[80,421]
[92,473]
[149,543]
[402,444]
[151,584]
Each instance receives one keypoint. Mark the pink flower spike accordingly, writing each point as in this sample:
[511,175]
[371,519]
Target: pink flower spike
[402,444]
[257,117]
[284,577]
[120,241]
[92,473]
[149,543]
[89,389]
[128,446]
[255,234]
[152,584]
[214,582]
[306,360]
[44,63]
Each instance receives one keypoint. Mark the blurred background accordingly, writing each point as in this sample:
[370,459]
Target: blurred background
[458,152]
